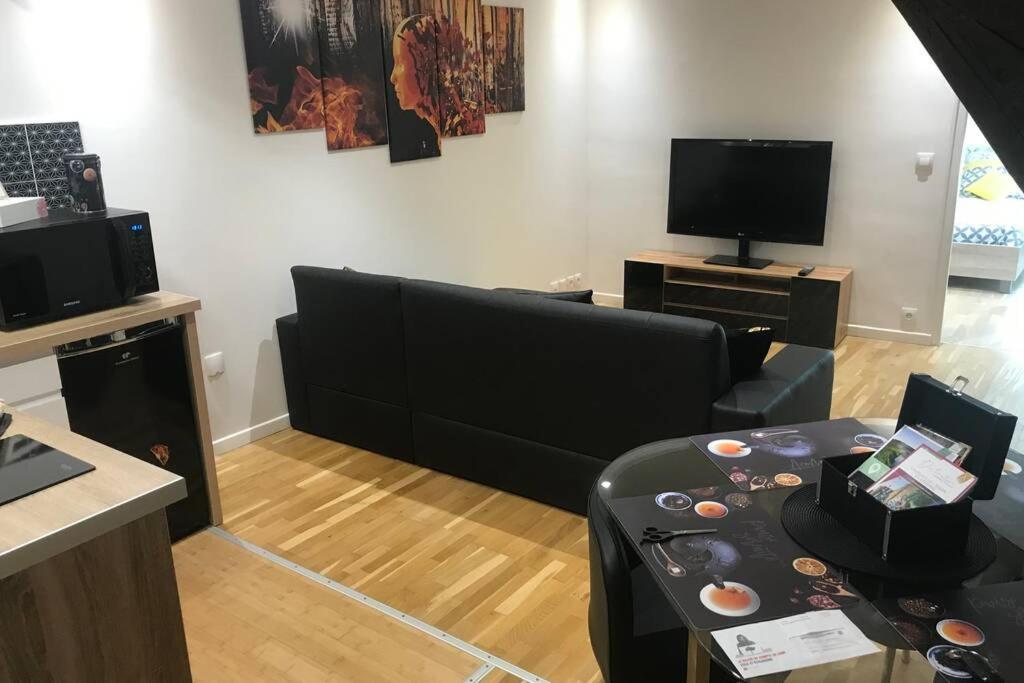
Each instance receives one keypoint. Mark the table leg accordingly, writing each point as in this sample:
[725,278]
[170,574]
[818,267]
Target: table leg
[202,413]
[698,661]
[890,662]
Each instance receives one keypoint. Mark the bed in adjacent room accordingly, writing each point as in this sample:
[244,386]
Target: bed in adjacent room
[988,236]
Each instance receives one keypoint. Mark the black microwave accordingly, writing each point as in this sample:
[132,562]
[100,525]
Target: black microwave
[68,264]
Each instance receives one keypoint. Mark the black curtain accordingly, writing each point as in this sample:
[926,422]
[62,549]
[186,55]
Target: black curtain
[979,47]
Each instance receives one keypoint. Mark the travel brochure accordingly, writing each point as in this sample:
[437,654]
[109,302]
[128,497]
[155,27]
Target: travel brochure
[745,570]
[971,634]
[923,479]
[783,457]
[792,643]
[916,468]
[894,451]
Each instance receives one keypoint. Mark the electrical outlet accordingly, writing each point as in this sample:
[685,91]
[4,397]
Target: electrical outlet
[214,364]
[909,314]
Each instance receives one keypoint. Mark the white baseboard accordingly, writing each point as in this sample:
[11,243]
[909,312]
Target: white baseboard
[603,299]
[887,334]
[250,434]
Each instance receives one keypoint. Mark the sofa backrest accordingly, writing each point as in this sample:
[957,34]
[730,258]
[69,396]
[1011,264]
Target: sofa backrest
[351,332]
[588,379]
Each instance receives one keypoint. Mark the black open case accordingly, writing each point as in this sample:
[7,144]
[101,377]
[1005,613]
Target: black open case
[933,532]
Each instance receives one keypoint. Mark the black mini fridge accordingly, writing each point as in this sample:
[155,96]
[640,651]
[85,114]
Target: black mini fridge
[130,391]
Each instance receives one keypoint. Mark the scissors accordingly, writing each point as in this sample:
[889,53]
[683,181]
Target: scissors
[655,535]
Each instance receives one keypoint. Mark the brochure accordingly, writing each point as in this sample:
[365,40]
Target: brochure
[923,479]
[897,449]
[793,643]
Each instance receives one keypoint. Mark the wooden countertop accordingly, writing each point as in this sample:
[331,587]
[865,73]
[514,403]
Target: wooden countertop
[38,341]
[671,258]
[120,490]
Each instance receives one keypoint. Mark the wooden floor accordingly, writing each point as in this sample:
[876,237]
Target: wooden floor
[251,620]
[504,573]
[977,315]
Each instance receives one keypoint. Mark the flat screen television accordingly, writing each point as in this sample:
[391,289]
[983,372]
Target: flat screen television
[763,190]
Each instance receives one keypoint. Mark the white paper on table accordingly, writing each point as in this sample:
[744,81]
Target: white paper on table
[793,643]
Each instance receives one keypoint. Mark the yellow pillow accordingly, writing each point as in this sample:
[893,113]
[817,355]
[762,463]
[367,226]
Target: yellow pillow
[993,186]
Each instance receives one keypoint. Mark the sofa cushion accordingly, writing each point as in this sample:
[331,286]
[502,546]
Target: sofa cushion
[350,331]
[589,379]
[583,296]
[747,350]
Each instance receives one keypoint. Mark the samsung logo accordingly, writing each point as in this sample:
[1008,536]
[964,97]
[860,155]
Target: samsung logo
[73,302]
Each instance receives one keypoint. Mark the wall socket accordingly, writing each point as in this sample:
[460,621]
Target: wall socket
[568,283]
[909,314]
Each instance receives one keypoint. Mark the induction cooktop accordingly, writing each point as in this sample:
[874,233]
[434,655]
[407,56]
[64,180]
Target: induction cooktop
[28,466]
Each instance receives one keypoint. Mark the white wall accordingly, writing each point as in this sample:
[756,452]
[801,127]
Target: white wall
[159,87]
[852,72]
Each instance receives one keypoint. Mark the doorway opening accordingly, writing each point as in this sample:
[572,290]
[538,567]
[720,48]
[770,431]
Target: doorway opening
[985,298]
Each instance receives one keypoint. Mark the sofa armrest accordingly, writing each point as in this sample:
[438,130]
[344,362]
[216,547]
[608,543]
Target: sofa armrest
[291,366]
[794,386]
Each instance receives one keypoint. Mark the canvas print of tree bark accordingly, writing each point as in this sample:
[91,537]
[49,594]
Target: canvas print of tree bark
[355,109]
[461,67]
[504,59]
[410,65]
[283,61]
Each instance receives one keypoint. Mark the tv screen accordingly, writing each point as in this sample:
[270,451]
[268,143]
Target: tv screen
[764,190]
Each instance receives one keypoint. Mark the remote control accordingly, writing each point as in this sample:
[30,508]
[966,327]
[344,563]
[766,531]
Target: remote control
[804,272]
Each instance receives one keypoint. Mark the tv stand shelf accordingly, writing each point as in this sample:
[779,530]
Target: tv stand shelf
[812,310]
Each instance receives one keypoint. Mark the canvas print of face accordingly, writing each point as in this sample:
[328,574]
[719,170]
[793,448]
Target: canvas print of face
[282,55]
[504,59]
[410,65]
[461,67]
[355,113]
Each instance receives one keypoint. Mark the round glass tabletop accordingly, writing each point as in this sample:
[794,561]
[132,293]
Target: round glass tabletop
[670,467]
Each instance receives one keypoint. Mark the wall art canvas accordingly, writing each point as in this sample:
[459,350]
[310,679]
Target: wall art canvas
[410,66]
[461,67]
[282,54]
[355,112]
[31,159]
[504,59]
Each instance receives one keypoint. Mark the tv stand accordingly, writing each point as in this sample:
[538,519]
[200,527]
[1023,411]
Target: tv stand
[741,260]
[811,310]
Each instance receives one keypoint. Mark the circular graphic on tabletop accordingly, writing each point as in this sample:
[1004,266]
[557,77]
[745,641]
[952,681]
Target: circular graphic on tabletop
[676,502]
[915,633]
[808,566]
[734,600]
[787,479]
[740,501]
[703,554]
[706,492]
[872,441]
[948,660]
[711,509]
[921,608]
[1011,467]
[729,448]
[787,443]
[960,633]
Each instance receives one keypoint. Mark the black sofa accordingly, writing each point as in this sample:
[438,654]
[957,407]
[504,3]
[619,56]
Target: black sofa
[526,394]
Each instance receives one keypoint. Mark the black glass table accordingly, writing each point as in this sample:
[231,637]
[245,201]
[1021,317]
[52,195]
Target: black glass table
[677,465]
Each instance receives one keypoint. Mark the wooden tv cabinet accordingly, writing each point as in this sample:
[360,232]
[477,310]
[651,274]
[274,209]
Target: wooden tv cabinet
[812,310]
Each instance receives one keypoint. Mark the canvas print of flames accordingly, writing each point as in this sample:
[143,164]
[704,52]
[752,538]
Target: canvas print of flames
[282,54]
[504,59]
[373,72]
[355,113]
